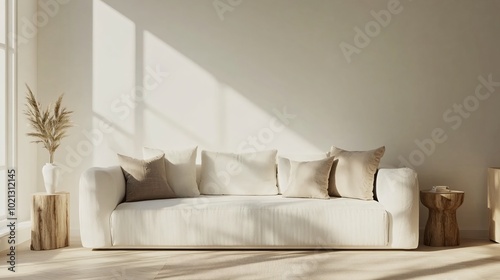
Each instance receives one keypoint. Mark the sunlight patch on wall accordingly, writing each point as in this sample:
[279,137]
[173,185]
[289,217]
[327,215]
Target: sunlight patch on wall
[154,95]
[184,105]
[114,68]
[182,100]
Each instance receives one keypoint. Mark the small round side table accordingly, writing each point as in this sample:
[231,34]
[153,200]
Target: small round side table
[442,227]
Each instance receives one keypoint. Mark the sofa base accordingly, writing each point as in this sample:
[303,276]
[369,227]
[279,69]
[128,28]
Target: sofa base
[250,222]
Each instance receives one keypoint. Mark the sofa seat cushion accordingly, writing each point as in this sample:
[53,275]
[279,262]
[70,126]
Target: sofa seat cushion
[250,222]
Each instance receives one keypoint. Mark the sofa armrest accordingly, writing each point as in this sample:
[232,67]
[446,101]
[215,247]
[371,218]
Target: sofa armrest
[397,190]
[101,190]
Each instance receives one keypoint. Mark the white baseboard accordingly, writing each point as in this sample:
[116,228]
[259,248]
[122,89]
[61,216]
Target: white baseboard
[23,234]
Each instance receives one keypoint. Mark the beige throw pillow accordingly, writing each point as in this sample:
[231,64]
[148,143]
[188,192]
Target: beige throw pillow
[354,173]
[284,166]
[181,170]
[309,178]
[238,174]
[145,179]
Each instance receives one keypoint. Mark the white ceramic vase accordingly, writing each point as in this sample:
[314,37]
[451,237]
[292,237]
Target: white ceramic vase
[51,174]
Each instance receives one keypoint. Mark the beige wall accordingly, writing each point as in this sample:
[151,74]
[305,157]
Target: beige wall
[215,78]
[27,152]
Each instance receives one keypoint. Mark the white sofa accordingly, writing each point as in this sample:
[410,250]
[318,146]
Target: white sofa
[226,221]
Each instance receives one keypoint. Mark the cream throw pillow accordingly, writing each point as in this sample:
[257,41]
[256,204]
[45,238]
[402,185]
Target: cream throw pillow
[238,174]
[180,169]
[145,179]
[309,178]
[284,166]
[354,173]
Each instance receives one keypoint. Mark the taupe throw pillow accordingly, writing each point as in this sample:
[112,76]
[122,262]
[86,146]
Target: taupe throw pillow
[354,173]
[145,179]
[309,179]
[180,169]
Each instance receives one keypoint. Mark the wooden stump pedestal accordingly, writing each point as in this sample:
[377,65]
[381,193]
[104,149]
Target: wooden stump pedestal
[442,227]
[50,221]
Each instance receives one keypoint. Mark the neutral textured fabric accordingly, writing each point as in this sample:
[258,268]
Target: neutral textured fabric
[145,179]
[284,166]
[100,190]
[354,174]
[398,192]
[309,179]
[238,174]
[250,221]
[181,170]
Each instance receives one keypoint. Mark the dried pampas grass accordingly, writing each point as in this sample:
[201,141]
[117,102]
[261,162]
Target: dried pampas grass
[49,127]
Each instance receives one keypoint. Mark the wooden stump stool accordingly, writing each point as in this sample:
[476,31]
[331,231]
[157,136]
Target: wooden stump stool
[50,221]
[442,227]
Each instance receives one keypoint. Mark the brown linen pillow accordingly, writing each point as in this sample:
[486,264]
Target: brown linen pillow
[309,179]
[354,173]
[145,179]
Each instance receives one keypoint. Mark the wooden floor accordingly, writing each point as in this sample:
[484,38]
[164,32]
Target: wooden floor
[473,259]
